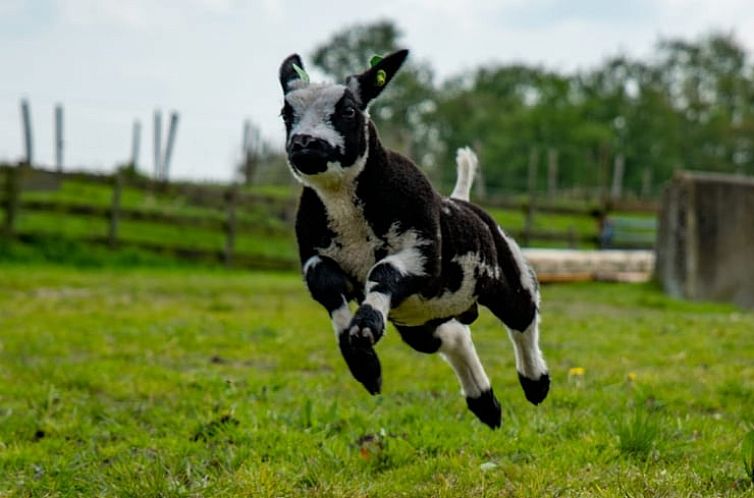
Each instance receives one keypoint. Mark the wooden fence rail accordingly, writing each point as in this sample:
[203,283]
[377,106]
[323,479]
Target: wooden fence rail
[223,209]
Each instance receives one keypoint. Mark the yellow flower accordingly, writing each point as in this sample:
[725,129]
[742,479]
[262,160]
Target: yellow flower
[576,372]
[631,376]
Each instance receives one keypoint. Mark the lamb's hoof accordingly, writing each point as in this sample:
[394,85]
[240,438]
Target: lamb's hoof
[486,408]
[366,327]
[363,364]
[535,390]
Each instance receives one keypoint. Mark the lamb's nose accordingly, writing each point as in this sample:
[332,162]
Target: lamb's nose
[305,142]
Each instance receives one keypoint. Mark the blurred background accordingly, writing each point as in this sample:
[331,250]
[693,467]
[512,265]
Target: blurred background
[580,113]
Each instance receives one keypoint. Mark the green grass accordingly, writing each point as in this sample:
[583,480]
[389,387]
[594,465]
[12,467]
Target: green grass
[178,382]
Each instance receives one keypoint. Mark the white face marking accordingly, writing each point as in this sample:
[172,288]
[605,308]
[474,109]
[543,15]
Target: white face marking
[458,349]
[337,176]
[529,360]
[312,106]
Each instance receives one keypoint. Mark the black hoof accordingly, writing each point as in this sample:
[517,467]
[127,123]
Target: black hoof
[535,390]
[363,364]
[366,327]
[486,408]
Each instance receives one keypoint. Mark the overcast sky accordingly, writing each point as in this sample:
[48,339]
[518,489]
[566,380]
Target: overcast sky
[110,62]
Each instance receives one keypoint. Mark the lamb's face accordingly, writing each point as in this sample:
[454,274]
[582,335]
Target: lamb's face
[327,125]
[326,131]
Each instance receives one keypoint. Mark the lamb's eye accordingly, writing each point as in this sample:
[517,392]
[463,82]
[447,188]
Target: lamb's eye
[349,112]
[287,114]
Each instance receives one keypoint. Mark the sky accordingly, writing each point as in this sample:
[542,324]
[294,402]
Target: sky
[215,62]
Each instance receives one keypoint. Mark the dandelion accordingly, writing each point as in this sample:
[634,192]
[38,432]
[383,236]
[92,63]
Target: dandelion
[631,377]
[576,372]
[576,375]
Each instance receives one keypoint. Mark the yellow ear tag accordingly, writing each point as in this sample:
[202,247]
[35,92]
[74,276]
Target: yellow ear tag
[381,77]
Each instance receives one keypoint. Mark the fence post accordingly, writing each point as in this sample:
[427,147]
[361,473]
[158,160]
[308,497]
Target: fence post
[480,185]
[571,237]
[172,130]
[26,125]
[552,171]
[135,144]
[59,143]
[112,233]
[157,145]
[231,197]
[12,197]
[532,181]
[646,183]
[616,190]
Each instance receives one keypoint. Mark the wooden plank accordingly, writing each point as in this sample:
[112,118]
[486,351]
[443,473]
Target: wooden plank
[123,214]
[624,206]
[240,260]
[554,278]
[158,217]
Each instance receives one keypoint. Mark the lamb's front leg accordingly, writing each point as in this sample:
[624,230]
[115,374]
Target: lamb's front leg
[390,281]
[329,286]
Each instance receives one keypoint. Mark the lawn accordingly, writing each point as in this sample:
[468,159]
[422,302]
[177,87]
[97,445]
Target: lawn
[182,382]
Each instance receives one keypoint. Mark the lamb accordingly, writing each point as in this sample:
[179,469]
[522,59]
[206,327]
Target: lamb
[371,229]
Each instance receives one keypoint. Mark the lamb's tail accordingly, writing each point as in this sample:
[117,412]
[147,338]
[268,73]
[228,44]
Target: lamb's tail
[466,164]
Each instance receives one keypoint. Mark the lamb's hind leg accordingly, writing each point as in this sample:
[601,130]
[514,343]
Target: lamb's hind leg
[514,299]
[452,340]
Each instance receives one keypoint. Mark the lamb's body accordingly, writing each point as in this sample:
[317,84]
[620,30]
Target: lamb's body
[450,241]
[371,229]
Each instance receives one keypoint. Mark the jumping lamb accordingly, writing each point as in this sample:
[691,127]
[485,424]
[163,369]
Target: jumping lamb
[371,229]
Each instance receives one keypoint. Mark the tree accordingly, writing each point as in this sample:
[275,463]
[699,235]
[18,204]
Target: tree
[710,85]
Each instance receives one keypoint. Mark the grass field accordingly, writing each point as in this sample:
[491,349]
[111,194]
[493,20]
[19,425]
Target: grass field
[173,382]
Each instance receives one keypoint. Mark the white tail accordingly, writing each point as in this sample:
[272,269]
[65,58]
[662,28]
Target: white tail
[466,164]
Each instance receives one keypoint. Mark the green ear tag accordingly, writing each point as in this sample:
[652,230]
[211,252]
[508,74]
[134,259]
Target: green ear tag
[375,60]
[301,73]
[381,77]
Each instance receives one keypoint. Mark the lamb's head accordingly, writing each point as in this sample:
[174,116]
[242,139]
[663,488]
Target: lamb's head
[327,125]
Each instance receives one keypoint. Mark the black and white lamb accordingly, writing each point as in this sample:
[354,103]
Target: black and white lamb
[371,229]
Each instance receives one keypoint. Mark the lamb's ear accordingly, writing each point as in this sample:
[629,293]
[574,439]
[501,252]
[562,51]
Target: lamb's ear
[292,74]
[369,84]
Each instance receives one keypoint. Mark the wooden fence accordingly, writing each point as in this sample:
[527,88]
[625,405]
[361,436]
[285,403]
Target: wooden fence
[223,209]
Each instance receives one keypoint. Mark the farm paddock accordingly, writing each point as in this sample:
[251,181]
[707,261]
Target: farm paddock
[186,382]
